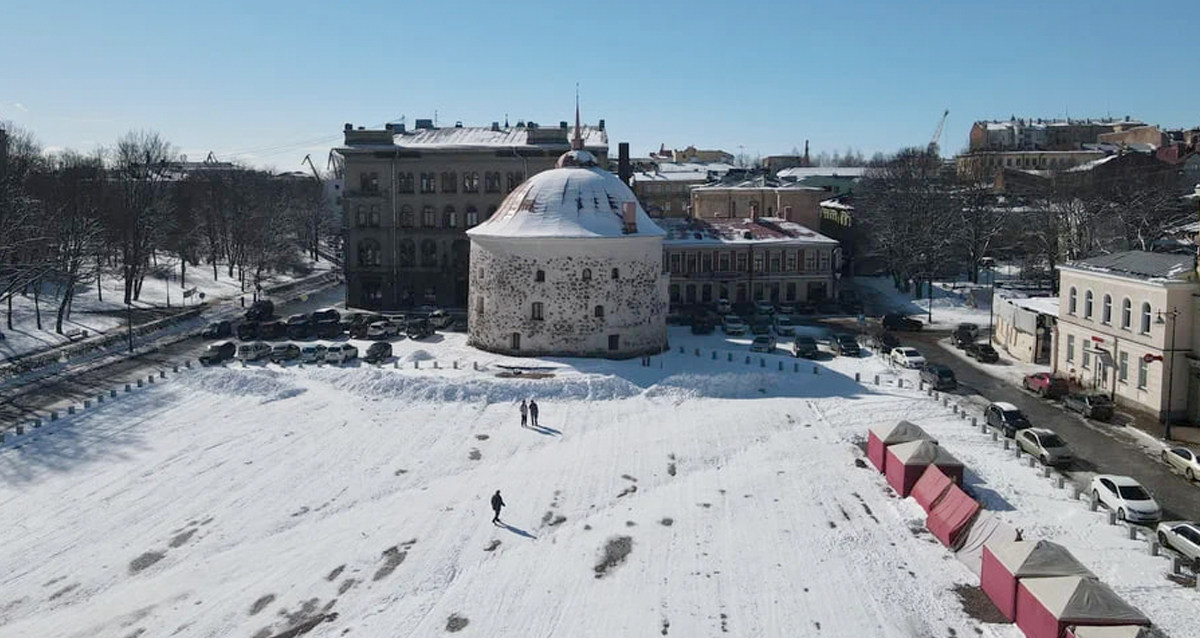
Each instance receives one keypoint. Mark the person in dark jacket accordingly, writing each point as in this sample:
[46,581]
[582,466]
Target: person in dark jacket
[497,503]
[524,413]
[533,412]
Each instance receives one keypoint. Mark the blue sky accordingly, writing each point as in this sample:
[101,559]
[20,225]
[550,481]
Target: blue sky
[266,81]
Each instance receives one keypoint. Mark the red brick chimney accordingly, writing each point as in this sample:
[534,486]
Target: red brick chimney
[629,216]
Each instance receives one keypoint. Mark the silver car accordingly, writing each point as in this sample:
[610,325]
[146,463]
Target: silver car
[1045,445]
[1181,536]
[1184,460]
[313,353]
[253,351]
[341,353]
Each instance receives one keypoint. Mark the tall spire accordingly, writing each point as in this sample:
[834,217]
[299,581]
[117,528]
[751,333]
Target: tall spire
[577,142]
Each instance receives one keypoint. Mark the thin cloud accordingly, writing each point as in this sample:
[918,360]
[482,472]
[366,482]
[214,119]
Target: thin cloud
[20,107]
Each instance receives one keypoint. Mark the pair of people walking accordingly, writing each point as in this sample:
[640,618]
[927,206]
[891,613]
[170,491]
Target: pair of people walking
[529,412]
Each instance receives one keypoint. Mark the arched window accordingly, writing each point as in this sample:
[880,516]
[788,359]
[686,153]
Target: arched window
[428,217]
[374,219]
[587,274]
[407,253]
[368,253]
[406,216]
[536,311]
[449,182]
[539,275]
[616,273]
[1126,314]
[1087,305]
[491,181]
[479,305]
[429,253]
[599,312]
[1106,310]
[450,217]
[471,182]
[1071,298]
[1145,318]
[472,216]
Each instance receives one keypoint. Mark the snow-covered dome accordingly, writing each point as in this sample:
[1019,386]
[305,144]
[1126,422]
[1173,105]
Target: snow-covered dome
[577,200]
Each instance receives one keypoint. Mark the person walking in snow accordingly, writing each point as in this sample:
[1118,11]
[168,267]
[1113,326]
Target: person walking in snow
[533,412]
[497,503]
[524,413]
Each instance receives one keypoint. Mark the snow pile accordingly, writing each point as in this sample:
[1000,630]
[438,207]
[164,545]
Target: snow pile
[386,384]
[419,355]
[729,385]
[263,383]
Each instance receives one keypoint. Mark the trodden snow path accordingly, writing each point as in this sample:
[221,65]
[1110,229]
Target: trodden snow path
[250,501]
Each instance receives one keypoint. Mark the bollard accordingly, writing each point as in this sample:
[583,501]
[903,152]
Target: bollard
[127,388]
[1112,517]
[53,415]
[1094,504]
[1076,490]
[435,365]
[795,367]
[1030,461]
[681,351]
[150,379]
[1133,532]
[1176,565]
[996,437]
[729,356]
[1046,472]
[857,377]
[1,438]
[474,364]
[714,355]
[876,379]
[1017,452]
[456,364]
[781,366]
[112,394]
[945,401]
[955,409]
[920,385]
[747,360]
[697,352]
[162,374]
[963,414]
[983,427]
[20,429]
[175,368]
[762,363]
[1151,545]
[816,370]
[70,409]
[416,365]
[188,364]
[99,398]
[36,423]
[1060,481]
[87,404]
[396,365]
[974,422]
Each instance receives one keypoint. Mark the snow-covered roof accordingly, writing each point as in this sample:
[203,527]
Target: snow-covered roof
[801,172]
[922,453]
[901,432]
[715,167]
[1040,305]
[1086,600]
[1139,264]
[563,203]
[486,137]
[835,204]
[764,230]
[671,176]
[1087,166]
[1005,406]
[1039,559]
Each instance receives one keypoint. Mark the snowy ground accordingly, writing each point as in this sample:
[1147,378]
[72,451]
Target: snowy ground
[245,501]
[951,301]
[96,316]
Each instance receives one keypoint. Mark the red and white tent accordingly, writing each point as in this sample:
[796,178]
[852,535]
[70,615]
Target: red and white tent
[905,462]
[1047,606]
[1006,564]
[952,517]
[879,437]
[987,528]
[930,488]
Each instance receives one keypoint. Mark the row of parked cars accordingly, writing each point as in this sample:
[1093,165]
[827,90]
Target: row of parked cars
[218,353]
[329,323]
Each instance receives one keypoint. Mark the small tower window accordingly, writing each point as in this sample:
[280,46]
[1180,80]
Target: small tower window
[539,275]
[587,274]
[616,273]
[599,312]
[537,311]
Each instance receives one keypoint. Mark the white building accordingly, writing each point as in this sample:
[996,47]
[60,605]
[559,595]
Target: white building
[569,265]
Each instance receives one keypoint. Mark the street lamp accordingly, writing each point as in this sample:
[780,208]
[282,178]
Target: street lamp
[989,264]
[1173,314]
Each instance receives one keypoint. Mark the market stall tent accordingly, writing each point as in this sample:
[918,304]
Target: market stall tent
[930,488]
[952,516]
[879,437]
[1006,564]
[1047,606]
[905,462]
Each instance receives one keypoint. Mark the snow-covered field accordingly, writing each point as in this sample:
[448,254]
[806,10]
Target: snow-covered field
[694,497]
[952,302]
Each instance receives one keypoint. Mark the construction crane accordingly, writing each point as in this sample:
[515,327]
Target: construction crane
[316,175]
[937,134]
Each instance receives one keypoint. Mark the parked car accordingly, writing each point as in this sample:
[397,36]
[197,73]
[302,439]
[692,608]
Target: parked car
[907,357]
[326,314]
[982,352]
[1045,445]
[440,319]
[359,330]
[763,307]
[846,346]
[1126,497]
[760,325]
[1091,406]
[969,328]
[298,326]
[272,330]
[883,341]
[340,353]
[1006,417]
[961,339]
[784,326]
[247,331]
[313,353]
[218,352]
[805,347]
[350,319]
[383,330]
[938,376]
[1183,537]
[1184,460]
[900,322]
[1045,385]
[285,352]
[378,352]
[253,351]
[260,311]
[418,329]
[733,325]
[328,329]
[723,306]
[217,330]
[764,343]
[785,309]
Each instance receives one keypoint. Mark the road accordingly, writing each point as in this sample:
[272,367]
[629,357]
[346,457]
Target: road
[23,404]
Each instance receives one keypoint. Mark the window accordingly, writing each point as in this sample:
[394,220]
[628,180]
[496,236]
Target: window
[587,274]
[1123,367]
[360,215]
[723,260]
[758,262]
[368,253]
[674,290]
[1087,305]
[810,260]
[514,180]
[1070,348]
[537,311]
[368,182]
[428,184]
[614,342]
[741,262]
[472,216]
[616,273]
[676,263]
[706,262]
[404,182]
[515,341]
[479,305]
[1106,310]
[1145,318]
[428,217]
[429,253]
[449,182]
[691,263]
[599,312]
[791,291]
[406,216]
[1143,373]
[776,259]
[1087,358]
[539,275]
[824,260]
[491,182]
[1126,314]
[706,293]
[407,253]
[791,261]
[471,182]
[1071,297]
[451,217]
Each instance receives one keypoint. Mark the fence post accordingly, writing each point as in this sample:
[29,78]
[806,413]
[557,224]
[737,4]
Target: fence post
[762,363]
[995,437]
[70,409]
[416,364]
[781,366]
[1133,532]
[857,377]
[714,358]
[876,379]
[1112,517]
[730,356]
[175,368]
[20,429]
[1151,545]
[87,403]
[1060,481]
[747,359]
[697,352]
[474,364]
[435,364]
[816,370]
[1046,472]
[1031,461]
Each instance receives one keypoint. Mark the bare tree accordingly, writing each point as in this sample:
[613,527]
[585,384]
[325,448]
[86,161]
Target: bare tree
[141,166]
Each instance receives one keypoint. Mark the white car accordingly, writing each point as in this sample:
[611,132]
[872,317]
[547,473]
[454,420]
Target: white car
[723,306]
[784,326]
[253,351]
[341,353]
[1181,536]
[763,344]
[1045,445]
[1184,460]
[733,325]
[1126,497]
[383,330]
[764,307]
[907,357]
[313,353]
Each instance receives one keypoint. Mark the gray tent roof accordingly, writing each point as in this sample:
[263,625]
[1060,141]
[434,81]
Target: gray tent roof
[1115,631]
[901,432]
[1038,559]
[1083,600]
[923,452]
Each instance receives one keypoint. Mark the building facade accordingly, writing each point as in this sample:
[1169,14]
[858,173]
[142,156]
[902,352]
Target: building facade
[1018,134]
[410,195]
[745,260]
[759,196]
[987,163]
[1126,327]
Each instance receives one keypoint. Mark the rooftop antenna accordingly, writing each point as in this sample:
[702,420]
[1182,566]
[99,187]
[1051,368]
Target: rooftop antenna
[577,143]
[506,120]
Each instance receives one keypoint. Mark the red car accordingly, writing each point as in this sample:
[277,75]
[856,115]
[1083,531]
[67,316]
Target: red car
[1045,385]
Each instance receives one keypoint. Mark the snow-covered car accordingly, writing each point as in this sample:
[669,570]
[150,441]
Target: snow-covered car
[418,329]
[907,357]
[378,352]
[938,376]
[253,351]
[969,328]
[784,326]
[1183,537]
[1184,460]
[763,344]
[1126,497]
[786,309]
[383,330]
[763,307]
[1091,406]
[341,353]
[326,314]
[1045,445]
[440,319]
[723,306]
[733,325]
[217,330]
[298,326]
[845,346]
[982,352]
[313,353]
[285,352]
[1006,417]
[218,352]
[805,347]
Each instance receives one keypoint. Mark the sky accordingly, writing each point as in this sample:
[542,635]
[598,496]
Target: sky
[265,82]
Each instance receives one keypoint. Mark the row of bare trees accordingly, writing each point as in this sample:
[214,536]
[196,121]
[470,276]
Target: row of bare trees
[68,219]
[923,219]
